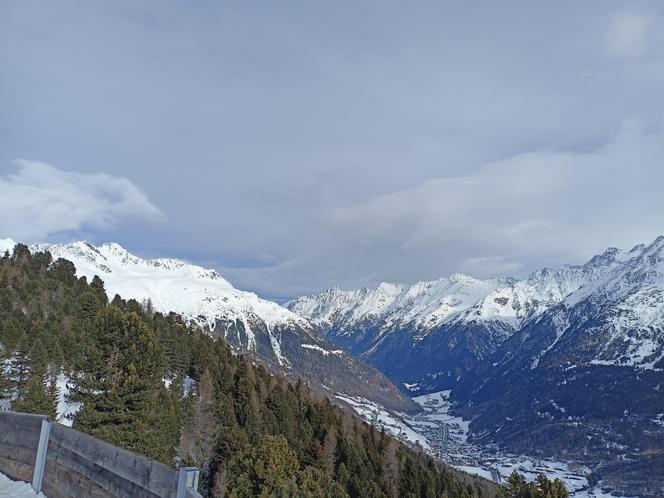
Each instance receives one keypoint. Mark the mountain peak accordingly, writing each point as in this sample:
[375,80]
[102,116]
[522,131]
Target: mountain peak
[608,257]
[199,294]
[658,244]
[114,248]
[461,278]
[388,287]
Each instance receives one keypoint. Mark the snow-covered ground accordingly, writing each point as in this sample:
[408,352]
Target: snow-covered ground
[394,424]
[17,489]
[66,409]
[322,351]
[444,435]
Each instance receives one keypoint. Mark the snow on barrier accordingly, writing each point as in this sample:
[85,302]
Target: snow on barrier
[64,462]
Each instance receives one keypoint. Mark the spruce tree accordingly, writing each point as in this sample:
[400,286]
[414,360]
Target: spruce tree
[121,386]
[35,395]
[35,398]
[5,381]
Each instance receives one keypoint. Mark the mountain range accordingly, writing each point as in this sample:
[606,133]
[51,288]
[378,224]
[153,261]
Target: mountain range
[565,362]
[457,322]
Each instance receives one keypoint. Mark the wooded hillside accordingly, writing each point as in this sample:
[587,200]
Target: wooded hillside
[150,383]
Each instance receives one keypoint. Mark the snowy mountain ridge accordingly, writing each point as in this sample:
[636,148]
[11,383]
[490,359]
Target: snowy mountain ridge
[631,281]
[422,305]
[199,294]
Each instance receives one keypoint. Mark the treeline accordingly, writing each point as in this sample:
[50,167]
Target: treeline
[150,383]
[541,487]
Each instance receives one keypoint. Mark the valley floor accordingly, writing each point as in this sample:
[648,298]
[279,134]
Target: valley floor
[444,435]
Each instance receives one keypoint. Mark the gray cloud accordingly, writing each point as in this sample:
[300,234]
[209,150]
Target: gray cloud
[629,33]
[505,218]
[39,201]
[295,146]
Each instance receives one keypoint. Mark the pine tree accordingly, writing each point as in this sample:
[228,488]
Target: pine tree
[275,466]
[200,433]
[550,489]
[35,395]
[5,381]
[313,483]
[541,487]
[517,486]
[326,452]
[35,398]
[19,367]
[122,385]
[97,285]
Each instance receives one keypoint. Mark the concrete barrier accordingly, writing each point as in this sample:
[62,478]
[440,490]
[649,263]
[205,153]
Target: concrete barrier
[19,439]
[76,464]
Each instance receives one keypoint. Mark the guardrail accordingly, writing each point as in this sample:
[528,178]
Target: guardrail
[64,462]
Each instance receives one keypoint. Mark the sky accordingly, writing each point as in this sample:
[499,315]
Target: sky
[298,145]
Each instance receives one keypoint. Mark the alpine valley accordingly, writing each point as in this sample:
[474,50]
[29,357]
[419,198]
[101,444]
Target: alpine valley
[561,372]
[563,364]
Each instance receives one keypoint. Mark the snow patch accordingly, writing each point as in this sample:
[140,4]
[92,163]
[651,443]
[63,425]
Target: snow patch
[380,417]
[66,409]
[17,489]
[322,351]
[276,348]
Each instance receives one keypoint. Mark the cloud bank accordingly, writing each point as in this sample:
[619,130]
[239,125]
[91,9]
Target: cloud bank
[40,200]
[508,217]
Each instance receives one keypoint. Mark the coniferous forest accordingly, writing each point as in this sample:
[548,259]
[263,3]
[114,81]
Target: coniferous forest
[152,384]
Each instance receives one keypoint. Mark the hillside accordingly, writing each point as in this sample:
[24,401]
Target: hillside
[273,335]
[153,384]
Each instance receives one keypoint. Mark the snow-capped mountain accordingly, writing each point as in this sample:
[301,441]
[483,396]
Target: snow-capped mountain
[430,335]
[585,378]
[198,294]
[275,335]
[422,306]
[409,332]
[425,306]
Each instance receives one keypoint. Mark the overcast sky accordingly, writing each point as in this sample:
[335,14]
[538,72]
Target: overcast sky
[299,145]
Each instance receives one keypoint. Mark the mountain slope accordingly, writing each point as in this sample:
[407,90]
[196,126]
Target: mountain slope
[281,339]
[603,343]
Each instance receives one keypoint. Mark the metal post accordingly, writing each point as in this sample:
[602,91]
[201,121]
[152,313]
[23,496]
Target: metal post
[188,478]
[40,461]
